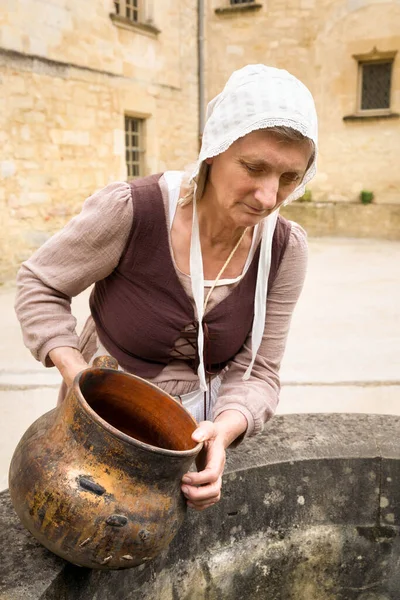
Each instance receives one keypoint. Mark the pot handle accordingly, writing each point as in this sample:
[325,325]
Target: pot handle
[105,362]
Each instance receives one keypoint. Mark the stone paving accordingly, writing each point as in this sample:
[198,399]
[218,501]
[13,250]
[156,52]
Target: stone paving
[343,352]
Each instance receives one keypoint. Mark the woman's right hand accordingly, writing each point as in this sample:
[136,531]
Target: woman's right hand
[69,361]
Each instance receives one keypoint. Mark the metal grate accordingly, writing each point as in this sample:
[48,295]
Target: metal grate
[375,85]
[134,146]
[241,1]
[128,9]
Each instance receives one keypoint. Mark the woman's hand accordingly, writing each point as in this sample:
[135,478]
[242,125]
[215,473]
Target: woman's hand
[69,361]
[203,489]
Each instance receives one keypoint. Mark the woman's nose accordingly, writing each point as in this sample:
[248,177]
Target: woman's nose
[267,193]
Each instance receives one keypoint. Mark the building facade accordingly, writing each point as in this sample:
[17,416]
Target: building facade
[90,92]
[96,91]
[347,53]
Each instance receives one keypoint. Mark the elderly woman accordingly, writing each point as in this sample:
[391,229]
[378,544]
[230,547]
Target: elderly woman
[196,277]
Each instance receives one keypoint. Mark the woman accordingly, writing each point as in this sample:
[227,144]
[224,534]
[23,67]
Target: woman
[168,252]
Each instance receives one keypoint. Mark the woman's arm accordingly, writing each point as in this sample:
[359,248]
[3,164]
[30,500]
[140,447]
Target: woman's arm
[85,251]
[258,397]
[69,361]
[242,407]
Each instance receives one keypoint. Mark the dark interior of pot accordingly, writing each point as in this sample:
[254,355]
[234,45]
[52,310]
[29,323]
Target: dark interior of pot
[138,409]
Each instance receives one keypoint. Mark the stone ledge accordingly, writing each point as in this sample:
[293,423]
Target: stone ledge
[301,503]
[139,27]
[370,117]
[346,219]
[45,66]
[234,8]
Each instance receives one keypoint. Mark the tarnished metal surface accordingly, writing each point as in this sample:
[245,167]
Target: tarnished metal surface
[97,480]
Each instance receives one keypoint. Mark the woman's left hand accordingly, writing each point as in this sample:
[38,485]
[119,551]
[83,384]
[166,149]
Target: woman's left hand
[203,489]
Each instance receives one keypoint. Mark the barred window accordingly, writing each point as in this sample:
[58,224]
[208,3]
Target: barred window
[128,9]
[134,146]
[375,85]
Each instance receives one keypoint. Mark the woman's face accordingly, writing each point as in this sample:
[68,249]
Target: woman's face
[255,175]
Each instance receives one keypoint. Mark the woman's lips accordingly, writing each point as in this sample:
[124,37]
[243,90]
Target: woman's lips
[258,211]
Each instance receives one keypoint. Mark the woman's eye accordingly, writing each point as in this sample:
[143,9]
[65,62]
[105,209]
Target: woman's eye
[290,178]
[252,169]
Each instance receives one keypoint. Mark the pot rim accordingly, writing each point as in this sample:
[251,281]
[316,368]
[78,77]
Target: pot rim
[120,434]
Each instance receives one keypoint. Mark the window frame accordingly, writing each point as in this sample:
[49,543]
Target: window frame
[374,57]
[122,10]
[142,24]
[141,148]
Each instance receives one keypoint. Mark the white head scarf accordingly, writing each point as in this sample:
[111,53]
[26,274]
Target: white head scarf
[255,97]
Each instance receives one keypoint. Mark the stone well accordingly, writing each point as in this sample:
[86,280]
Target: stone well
[310,511]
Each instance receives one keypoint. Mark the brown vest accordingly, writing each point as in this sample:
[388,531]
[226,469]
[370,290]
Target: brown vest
[141,309]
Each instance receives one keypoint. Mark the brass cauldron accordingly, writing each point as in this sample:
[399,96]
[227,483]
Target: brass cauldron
[97,479]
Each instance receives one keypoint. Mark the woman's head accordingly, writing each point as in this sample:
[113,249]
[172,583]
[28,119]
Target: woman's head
[257,173]
[258,98]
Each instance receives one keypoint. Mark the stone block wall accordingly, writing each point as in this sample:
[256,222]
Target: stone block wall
[346,219]
[309,511]
[68,75]
[316,41]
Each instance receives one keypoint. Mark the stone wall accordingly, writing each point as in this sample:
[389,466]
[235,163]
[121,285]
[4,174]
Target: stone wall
[316,41]
[310,510]
[346,219]
[68,75]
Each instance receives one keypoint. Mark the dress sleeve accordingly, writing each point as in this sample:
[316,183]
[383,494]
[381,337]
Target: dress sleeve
[85,251]
[258,397]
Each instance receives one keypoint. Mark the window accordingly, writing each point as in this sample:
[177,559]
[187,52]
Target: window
[374,90]
[129,9]
[134,15]
[375,85]
[134,151]
[242,6]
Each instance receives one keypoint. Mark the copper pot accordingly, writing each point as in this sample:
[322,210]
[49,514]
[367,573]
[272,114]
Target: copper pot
[97,479]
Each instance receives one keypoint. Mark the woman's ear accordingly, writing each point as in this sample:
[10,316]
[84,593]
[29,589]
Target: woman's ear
[209,161]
